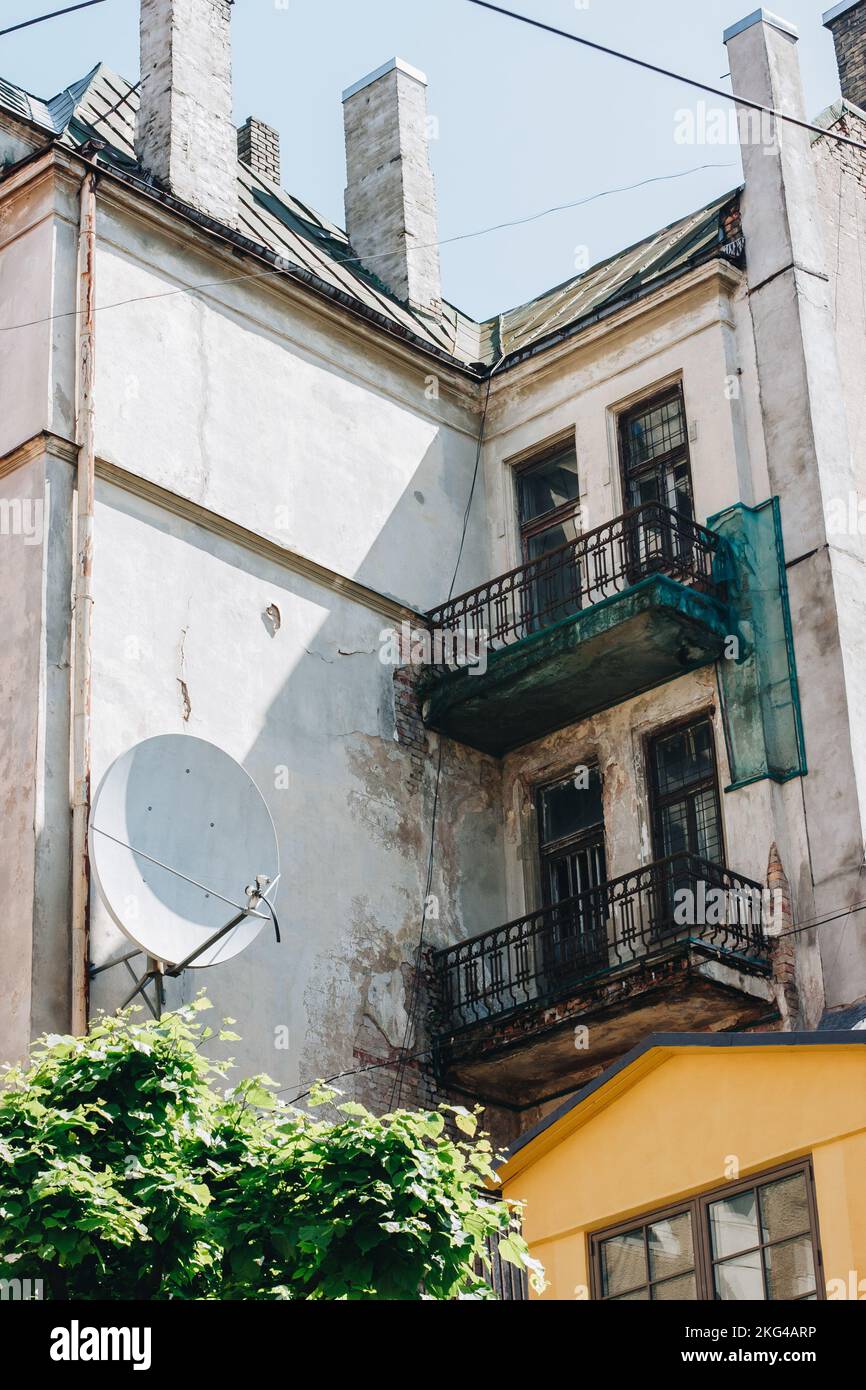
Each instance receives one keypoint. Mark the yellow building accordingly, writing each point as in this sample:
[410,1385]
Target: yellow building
[704,1166]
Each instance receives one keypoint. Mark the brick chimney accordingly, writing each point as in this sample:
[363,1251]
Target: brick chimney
[847,24]
[185,136]
[390,195]
[259,147]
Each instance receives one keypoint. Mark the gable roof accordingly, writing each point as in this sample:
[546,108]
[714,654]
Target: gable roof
[654,1049]
[103,105]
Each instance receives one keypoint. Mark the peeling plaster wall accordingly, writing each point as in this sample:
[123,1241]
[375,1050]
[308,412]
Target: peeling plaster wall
[301,430]
[702,336]
[312,437]
[308,710]
[841,175]
[38,249]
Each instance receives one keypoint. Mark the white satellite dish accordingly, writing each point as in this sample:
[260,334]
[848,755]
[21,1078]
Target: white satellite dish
[184,852]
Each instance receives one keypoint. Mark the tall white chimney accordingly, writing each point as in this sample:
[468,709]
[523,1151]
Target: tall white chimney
[390,194]
[185,137]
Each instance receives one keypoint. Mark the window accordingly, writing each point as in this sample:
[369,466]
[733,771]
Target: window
[751,1240]
[686,813]
[654,453]
[548,495]
[573,873]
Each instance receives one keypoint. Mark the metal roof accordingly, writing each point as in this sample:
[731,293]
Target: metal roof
[104,105]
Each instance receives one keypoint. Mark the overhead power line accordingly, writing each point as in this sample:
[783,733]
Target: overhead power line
[666,72]
[40,19]
[358,260]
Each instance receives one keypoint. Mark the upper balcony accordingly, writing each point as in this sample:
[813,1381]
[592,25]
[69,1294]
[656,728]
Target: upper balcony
[530,1010]
[622,608]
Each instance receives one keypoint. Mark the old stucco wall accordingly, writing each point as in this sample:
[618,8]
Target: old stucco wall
[299,432]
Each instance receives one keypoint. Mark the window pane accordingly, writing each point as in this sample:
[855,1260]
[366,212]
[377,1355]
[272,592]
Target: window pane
[623,1262]
[709,845]
[568,809]
[641,1296]
[790,1269]
[784,1208]
[551,539]
[670,1247]
[684,758]
[674,1290]
[550,484]
[649,434]
[740,1278]
[734,1224]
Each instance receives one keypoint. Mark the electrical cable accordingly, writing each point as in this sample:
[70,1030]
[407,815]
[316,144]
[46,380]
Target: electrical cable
[40,19]
[666,72]
[356,260]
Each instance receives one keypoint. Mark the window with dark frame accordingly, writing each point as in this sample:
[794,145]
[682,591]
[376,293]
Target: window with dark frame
[757,1240]
[684,789]
[654,453]
[573,871]
[548,494]
[548,497]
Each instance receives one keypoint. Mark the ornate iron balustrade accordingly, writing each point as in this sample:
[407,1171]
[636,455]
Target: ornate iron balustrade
[650,539]
[554,952]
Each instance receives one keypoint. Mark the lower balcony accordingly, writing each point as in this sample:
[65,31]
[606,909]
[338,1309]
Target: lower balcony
[531,1010]
[624,608]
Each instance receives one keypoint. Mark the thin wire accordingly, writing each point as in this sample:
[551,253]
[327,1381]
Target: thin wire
[355,1071]
[290,266]
[40,19]
[666,72]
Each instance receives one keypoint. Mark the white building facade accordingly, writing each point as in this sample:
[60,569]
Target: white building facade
[298,446]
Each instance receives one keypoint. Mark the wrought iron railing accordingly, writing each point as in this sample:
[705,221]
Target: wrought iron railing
[554,952]
[648,540]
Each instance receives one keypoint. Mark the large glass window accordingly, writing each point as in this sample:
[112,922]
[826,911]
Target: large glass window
[753,1240]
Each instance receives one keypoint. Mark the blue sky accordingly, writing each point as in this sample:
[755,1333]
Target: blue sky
[526,121]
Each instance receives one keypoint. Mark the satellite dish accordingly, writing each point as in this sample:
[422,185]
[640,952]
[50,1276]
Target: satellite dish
[183,850]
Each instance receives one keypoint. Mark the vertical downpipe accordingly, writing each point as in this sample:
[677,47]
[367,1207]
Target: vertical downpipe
[82,605]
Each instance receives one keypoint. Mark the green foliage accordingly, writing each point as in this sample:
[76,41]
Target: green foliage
[129,1171]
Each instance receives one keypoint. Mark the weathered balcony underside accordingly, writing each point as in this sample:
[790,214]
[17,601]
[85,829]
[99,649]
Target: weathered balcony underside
[537,1056]
[622,609]
[652,633]
[674,946]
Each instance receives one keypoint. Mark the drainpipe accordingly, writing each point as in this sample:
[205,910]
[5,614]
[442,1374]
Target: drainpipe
[82,600]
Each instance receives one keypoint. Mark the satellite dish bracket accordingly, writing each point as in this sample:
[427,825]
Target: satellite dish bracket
[256,893]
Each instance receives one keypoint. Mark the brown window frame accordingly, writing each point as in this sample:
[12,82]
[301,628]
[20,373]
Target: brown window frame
[657,800]
[547,520]
[698,1208]
[640,407]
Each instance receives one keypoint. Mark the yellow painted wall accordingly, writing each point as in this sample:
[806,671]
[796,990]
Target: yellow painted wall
[673,1124]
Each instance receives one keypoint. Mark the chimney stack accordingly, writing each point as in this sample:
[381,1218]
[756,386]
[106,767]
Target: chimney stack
[185,136]
[259,147]
[390,195]
[847,24]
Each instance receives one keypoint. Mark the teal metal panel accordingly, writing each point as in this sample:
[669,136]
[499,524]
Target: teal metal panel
[758,685]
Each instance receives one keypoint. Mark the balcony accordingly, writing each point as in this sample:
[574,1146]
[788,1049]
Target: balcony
[530,1010]
[623,608]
